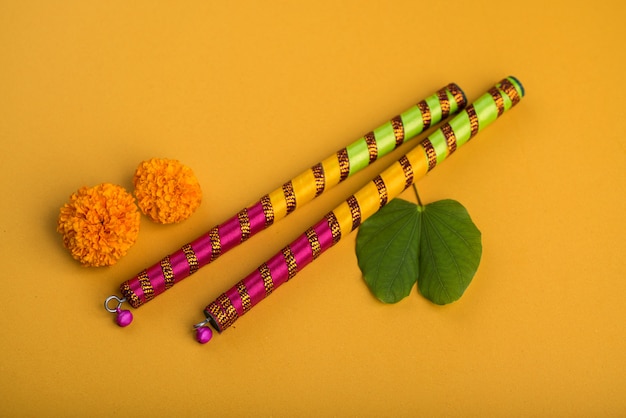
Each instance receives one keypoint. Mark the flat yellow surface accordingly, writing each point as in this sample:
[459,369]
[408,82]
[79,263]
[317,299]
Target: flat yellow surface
[250,94]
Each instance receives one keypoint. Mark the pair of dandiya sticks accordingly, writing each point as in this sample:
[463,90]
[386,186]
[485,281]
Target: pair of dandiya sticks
[235,302]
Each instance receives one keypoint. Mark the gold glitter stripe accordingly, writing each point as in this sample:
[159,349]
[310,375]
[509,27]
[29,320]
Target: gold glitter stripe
[266,275]
[245,297]
[290,197]
[510,91]
[458,95]
[216,245]
[192,260]
[268,210]
[473,119]
[430,153]
[335,228]
[244,224]
[218,313]
[146,286]
[450,137]
[426,116]
[382,191]
[444,102]
[407,168]
[344,164]
[130,296]
[497,97]
[398,130]
[355,210]
[168,272]
[372,147]
[318,173]
[314,242]
[290,260]
[231,312]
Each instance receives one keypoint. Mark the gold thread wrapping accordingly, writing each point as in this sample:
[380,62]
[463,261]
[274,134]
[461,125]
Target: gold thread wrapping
[510,91]
[268,210]
[426,116]
[382,191]
[168,272]
[290,260]
[146,286]
[497,97]
[473,120]
[218,313]
[244,224]
[355,210]
[344,164]
[430,153]
[266,275]
[458,95]
[216,245]
[448,133]
[398,130]
[407,169]
[130,296]
[334,226]
[231,312]
[290,197]
[372,147]
[444,103]
[314,242]
[245,297]
[318,173]
[343,213]
[192,260]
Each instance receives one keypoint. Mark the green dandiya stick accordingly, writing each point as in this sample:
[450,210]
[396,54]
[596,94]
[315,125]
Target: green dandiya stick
[272,207]
[235,302]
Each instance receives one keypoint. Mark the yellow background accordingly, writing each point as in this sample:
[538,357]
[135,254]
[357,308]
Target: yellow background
[249,94]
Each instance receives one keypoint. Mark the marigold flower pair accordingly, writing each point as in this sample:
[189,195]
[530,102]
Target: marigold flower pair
[99,224]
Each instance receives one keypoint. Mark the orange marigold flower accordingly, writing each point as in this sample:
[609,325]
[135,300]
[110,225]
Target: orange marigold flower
[167,191]
[99,224]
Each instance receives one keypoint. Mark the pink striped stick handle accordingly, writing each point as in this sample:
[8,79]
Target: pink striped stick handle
[172,269]
[283,266]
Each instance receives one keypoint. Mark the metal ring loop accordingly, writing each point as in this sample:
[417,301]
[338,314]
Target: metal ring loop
[109,299]
[201,324]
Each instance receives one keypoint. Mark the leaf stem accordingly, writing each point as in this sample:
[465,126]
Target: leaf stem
[419,201]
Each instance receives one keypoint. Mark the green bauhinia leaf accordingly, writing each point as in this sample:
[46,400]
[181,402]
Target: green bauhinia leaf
[387,248]
[436,245]
[450,251]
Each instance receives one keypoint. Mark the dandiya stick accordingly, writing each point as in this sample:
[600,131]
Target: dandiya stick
[172,269]
[283,266]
